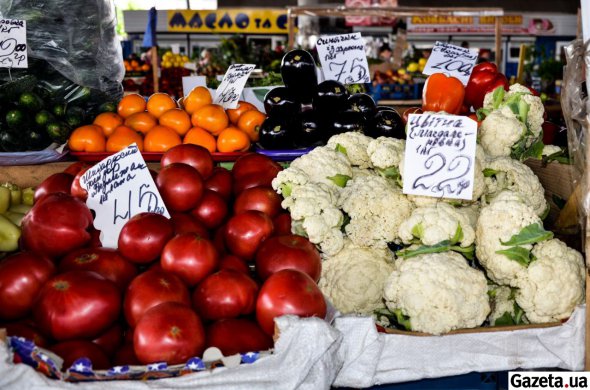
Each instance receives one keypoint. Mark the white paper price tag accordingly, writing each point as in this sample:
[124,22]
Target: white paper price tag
[13,43]
[119,187]
[190,82]
[452,60]
[229,91]
[343,58]
[440,156]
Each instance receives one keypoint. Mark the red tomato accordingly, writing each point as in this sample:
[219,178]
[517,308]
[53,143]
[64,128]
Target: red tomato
[151,288]
[72,350]
[76,189]
[181,186]
[77,304]
[143,237]
[58,182]
[74,168]
[288,292]
[194,155]
[170,332]
[22,276]
[190,257]
[253,170]
[225,294]
[237,335]
[94,238]
[235,263]
[104,261]
[186,223]
[221,182]
[263,199]
[282,224]
[288,252]
[211,210]
[125,356]
[27,330]
[245,232]
[56,225]
[219,240]
[110,340]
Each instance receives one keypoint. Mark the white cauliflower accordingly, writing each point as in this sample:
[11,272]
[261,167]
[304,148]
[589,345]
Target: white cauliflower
[325,165]
[439,292]
[376,208]
[353,279]
[354,145]
[434,224]
[536,109]
[503,218]
[548,150]
[553,284]
[387,156]
[504,307]
[287,179]
[499,131]
[504,173]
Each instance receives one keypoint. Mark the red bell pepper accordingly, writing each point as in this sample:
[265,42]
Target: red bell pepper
[443,93]
[484,78]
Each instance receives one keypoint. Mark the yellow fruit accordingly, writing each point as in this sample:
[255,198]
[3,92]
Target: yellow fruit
[422,61]
[413,67]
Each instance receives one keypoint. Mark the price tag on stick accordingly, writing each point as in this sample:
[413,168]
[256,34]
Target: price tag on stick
[229,91]
[440,156]
[343,58]
[452,60]
[119,187]
[13,43]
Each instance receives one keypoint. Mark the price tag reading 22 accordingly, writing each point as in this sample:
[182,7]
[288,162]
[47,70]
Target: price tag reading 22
[452,60]
[440,156]
[13,43]
[343,58]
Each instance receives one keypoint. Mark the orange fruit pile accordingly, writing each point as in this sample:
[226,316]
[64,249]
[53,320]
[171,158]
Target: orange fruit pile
[159,124]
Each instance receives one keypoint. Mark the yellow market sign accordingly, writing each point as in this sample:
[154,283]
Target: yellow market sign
[229,20]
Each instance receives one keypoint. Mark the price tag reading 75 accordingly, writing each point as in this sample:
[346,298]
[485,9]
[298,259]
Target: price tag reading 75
[343,58]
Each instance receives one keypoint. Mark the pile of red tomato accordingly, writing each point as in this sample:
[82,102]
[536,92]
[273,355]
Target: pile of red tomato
[216,273]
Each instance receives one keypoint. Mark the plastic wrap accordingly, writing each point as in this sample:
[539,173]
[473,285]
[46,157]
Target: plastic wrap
[574,103]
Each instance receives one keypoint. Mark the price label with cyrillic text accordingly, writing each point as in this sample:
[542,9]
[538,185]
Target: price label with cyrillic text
[119,187]
[13,43]
[343,58]
[229,91]
[452,60]
[440,156]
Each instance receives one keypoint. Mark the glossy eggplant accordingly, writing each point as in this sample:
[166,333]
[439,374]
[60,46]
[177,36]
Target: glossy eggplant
[298,70]
[387,123]
[281,101]
[348,121]
[363,103]
[310,130]
[331,97]
[277,133]
[384,108]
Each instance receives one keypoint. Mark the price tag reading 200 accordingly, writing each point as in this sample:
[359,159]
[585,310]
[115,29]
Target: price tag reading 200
[343,58]
[13,43]
[452,60]
[440,156]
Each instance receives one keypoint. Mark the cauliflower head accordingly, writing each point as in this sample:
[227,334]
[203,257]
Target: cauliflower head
[354,145]
[499,131]
[325,165]
[548,150]
[387,156]
[504,308]
[288,178]
[433,224]
[536,109]
[553,284]
[503,218]
[504,173]
[376,208]
[353,279]
[439,292]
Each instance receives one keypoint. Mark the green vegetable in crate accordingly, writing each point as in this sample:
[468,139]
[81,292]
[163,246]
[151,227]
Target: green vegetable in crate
[30,102]
[75,116]
[59,131]
[59,110]
[9,235]
[15,118]
[107,107]
[43,118]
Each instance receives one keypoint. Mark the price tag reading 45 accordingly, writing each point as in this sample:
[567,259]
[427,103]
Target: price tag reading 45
[452,60]
[119,187]
[229,91]
[13,43]
[440,156]
[343,58]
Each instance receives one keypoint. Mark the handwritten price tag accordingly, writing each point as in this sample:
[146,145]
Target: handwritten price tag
[453,60]
[343,58]
[229,91]
[440,156]
[13,43]
[119,187]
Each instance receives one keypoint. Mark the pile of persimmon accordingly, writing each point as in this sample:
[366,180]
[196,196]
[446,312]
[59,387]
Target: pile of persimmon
[161,123]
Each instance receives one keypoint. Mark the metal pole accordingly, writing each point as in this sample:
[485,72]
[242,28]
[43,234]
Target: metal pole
[290,29]
[498,36]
